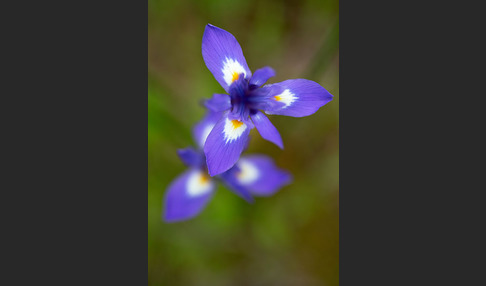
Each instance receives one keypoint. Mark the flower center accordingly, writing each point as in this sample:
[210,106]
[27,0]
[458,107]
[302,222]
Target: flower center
[245,100]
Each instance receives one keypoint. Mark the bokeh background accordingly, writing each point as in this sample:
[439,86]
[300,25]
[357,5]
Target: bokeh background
[290,238]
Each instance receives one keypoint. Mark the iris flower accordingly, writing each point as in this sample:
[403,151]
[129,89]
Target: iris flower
[190,192]
[248,97]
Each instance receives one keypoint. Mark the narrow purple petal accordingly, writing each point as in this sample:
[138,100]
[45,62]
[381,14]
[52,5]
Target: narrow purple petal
[224,144]
[219,102]
[266,129]
[300,97]
[223,56]
[230,180]
[202,129]
[191,157]
[260,175]
[261,76]
[187,195]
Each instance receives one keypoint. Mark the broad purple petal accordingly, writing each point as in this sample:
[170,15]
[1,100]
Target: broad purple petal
[261,76]
[260,175]
[266,129]
[202,129]
[224,144]
[230,180]
[223,56]
[219,102]
[187,195]
[300,97]
[191,157]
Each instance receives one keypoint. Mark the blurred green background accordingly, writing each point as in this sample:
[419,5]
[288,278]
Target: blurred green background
[290,238]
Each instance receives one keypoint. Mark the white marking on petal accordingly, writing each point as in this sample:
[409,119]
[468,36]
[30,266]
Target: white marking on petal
[233,129]
[205,134]
[286,97]
[198,184]
[248,174]
[230,68]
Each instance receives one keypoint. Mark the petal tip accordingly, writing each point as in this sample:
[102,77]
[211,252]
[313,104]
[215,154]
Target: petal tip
[248,198]
[207,104]
[168,218]
[211,26]
[279,143]
[212,170]
[288,178]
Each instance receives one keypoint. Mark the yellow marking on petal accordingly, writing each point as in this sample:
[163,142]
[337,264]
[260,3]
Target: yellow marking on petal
[233,129]
[232,70]
[240,174]
[235,76]
[248,172]
[236,123]
[286,97]
[203,179]
[198,183]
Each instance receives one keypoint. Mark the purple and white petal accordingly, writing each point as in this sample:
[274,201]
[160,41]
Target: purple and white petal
[260,175]
[261,76]
[223,56]
[219,102]
[230,180]
[202,129]
[300,97]
[225,143]
[191,157]
[187,196]
[266,129]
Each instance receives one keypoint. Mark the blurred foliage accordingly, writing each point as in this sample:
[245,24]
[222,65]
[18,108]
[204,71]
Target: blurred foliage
[290,238]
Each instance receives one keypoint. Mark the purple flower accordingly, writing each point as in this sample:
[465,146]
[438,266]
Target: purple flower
[242,108]
[191,191]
